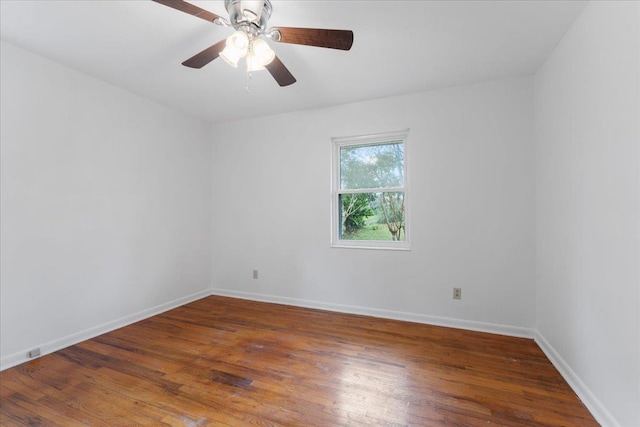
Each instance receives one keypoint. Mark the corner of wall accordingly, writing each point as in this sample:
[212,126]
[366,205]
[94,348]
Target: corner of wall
[597,409]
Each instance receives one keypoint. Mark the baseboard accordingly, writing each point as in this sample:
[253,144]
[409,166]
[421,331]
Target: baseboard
[58,344]
[597,409]
[385,314]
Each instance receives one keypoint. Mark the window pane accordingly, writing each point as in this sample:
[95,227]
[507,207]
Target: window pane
[372,216]
[372,166]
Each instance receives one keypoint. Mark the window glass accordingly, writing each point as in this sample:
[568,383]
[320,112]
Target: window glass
[372,166]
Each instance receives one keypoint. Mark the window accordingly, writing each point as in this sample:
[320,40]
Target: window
[369,202]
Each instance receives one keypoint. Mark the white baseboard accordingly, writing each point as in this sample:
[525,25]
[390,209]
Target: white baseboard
[385,314]
[597,409]
[58,344]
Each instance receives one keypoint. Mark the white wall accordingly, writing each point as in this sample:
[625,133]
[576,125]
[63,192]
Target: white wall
[106,206]
[588,209]
[471,177]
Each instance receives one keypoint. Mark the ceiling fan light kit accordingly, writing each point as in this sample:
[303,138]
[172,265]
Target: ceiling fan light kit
[249,18]
[256,52]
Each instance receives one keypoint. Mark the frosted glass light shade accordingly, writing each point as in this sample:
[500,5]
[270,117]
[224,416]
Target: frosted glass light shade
[253,63]
[235,48]
[238,40]
[231,56]
[262,52]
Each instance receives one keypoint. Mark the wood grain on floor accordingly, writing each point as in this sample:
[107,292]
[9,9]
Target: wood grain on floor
[225,361]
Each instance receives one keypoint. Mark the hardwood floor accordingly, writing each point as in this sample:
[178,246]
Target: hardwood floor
[224,361]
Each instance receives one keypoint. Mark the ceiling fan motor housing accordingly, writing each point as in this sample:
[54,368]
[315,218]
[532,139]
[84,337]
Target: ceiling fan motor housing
[249,13]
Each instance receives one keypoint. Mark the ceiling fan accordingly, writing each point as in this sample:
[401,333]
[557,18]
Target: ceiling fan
[249,19]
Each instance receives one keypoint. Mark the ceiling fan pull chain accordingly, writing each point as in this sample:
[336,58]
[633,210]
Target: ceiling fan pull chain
[248,59]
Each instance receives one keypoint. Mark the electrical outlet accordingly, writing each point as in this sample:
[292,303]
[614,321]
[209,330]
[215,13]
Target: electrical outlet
[33,353]
[255,274]
[457,293]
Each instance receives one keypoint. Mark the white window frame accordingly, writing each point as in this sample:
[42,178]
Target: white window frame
[336,222]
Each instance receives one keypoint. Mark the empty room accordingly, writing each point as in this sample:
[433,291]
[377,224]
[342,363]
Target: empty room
[319,213]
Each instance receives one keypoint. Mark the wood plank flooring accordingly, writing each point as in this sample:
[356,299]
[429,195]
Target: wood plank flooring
[230,362]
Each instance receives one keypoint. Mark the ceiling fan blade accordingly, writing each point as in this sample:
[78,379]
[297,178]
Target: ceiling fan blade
[333,39]
[189,8]
[203,58]
[279,72]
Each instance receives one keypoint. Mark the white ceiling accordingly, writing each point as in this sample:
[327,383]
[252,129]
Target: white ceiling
[399,47]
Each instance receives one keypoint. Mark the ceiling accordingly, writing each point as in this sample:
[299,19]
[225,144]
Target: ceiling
[399,47]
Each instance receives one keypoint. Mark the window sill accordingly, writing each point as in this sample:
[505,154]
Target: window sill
[371,246]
